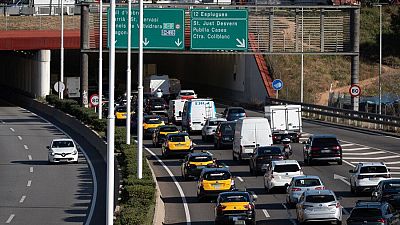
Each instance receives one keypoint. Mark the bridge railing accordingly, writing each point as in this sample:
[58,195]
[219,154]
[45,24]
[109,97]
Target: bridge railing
[345,116]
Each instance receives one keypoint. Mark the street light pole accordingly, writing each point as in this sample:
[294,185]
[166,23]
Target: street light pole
[61,92]
[128,78]
[101,60]
[380,59]
[140,95]
[302,58]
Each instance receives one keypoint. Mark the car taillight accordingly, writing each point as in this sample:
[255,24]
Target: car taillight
[296,189]
[320,188]
[232,182]
[220,208]
[248,207]
[337,147]
[386,176]
[337,205]
[381,220]
[315,149]
[274,137]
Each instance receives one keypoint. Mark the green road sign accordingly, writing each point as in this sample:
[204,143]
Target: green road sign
[218,29]
[162,28]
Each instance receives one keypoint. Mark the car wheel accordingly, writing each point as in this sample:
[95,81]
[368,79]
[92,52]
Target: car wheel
[154,144]
[251,170]
[215,145]
[352,189]
[202,137]
[218,145]
[233,156]
[340,162]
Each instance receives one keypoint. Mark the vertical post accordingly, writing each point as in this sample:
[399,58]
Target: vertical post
[297,29]
[380,59]
[101,60]
[322,30]
[277,94]
[111,122]
[61,92]
[84,54]
[302,57]
[271,30]
[128,76]
[355,59]
[140,94]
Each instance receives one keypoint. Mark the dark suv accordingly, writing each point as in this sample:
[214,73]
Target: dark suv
[263,156]
[388,191]
[156,105]
[224,134]
[373,213]
[234,113]
[322,148]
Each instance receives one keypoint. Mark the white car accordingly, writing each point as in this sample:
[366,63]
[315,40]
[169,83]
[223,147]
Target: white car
[367,175]
[186,94]
[62,150]
[280,173]
[209,127]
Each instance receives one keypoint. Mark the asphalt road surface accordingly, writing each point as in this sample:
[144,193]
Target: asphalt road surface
[180,198]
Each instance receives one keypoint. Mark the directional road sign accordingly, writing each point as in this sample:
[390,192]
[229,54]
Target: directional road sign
[355,90]
[277,84]
[220,29]
[162,28]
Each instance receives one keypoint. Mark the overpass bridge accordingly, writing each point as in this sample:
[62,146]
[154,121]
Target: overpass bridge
[318,30]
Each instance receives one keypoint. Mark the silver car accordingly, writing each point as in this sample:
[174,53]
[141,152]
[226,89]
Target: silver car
[300,184]
[319,206]
[209,127]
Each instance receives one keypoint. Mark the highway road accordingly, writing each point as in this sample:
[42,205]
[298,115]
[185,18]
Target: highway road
[32,192]
[358,146]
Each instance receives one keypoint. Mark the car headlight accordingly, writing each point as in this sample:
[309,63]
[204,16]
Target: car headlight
[74,152]
[52,153]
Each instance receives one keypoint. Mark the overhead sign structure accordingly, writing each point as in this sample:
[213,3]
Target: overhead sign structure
[277,84]
[220,29]
[354,90]
[163,28]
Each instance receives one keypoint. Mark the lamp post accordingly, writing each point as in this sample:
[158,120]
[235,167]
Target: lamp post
[302,58]
[380,58]
[128,77]
[101,60]
[60,92]
[140,95]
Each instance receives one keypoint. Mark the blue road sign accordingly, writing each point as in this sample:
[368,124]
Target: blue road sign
[277,84]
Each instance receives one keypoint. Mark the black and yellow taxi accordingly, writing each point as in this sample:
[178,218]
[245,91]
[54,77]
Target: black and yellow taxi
[213,181]
[150,124]
[177,144]
[234,206]
[195,162]
[121,114]
[161,133]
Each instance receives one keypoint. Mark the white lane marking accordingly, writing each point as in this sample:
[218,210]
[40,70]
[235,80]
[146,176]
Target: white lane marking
[29,183]
[26,147]
[392,137]
[345,145]
[391,163]
[266,214]
[363,153]
[20,138]
[345,211]
[12,129]
[241,179]
[394,173]
[22,199]
[29,157]
[395,153]
[376,158]
[342,178]
[185,204]
[31,169]
[350,164]
[393,167]
[290,214]
[94,197]
[355,149]
[10,218]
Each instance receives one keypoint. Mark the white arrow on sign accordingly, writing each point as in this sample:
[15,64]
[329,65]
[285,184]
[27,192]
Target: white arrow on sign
[242,44]
[342,178]
[146,42]
[178,42]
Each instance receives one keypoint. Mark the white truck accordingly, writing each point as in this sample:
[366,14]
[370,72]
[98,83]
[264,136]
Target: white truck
[160,81]
[285,120]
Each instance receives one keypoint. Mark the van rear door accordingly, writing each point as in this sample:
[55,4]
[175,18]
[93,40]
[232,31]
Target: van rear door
[248,137]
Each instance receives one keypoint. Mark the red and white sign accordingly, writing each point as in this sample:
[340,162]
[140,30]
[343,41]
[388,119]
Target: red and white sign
[355,90]
[94,100]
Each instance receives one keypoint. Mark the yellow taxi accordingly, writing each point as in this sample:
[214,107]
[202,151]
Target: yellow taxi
[150,124]
[234,206]
[195,162]
[213,181]
[120,113]
[177,144]
[161,133]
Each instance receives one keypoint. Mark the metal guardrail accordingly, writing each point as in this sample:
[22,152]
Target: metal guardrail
[344,116]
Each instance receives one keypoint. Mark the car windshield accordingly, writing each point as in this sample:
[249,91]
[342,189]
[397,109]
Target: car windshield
[178,138]
[120,109]
[320,198]
[325,142]
[168,129]
[62,144]
[152,120]
[307,182]
[236,111]
[366,212]
[217,175]
[269,151]
[214,123]
[200,158]
[286,168]
[392,186]
[228,128]
[373,169]
[235,198]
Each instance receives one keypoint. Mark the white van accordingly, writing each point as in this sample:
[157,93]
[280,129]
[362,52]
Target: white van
[250,132]
[196,112]
[175,110]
